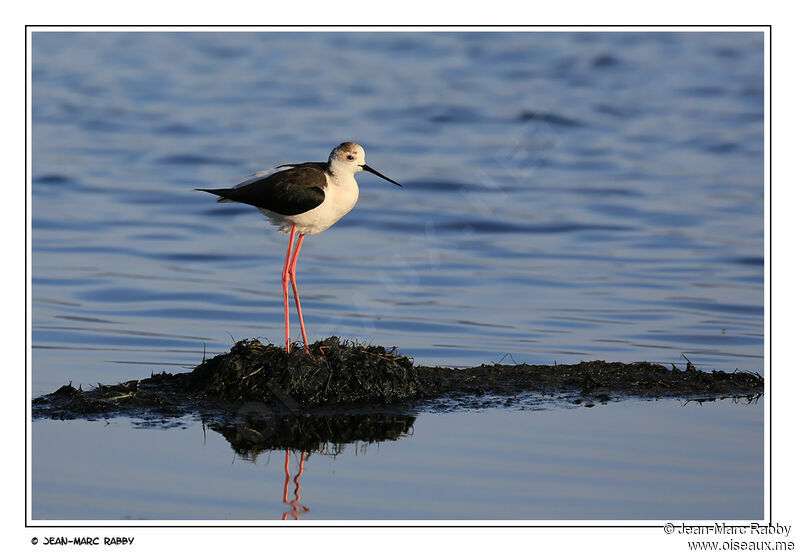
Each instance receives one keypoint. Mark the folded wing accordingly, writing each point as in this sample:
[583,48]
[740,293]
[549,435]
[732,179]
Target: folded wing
[289,192]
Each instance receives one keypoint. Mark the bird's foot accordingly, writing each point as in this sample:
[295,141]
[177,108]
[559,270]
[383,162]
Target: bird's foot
[293,345]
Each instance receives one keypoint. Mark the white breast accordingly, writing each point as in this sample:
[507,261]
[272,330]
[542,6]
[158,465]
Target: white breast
[341,195]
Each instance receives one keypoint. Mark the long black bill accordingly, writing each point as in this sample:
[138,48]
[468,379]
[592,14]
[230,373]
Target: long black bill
[372,171]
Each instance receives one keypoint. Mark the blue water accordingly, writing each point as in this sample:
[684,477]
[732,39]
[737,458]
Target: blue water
[567,197]
[605,462]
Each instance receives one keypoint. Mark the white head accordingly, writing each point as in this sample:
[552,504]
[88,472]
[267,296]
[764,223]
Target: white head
[349,158]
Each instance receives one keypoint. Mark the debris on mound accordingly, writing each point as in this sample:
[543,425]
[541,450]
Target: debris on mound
[342,376]
[160,395]
[596,378]
[334,373]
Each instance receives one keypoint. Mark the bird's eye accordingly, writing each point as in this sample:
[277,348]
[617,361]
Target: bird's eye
[349,157]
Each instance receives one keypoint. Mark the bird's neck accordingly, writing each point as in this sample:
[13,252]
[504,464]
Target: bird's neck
[339,172]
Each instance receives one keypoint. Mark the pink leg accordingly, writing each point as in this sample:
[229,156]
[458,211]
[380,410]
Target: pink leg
[297,508]
[286,483]
[294,288]
[303,508]
[285,283]
[297,477]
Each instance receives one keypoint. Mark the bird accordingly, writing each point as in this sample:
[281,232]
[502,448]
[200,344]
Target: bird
[305,199]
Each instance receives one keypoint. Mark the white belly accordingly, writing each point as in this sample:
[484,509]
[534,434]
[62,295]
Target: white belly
[340,198]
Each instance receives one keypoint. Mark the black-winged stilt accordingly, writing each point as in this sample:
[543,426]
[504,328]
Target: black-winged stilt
[307,198]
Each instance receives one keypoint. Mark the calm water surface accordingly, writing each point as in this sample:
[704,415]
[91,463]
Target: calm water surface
[605,462]
[567,197]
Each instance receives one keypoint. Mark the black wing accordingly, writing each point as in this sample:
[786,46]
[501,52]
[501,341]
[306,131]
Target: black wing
[289,192]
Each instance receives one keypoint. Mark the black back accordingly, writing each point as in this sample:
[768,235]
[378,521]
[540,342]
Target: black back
[289,192]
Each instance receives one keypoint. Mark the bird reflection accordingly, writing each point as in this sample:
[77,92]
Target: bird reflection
[298,509]
[252,434]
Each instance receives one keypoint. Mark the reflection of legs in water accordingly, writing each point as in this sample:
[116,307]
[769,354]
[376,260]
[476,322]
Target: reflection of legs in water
[295,511]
